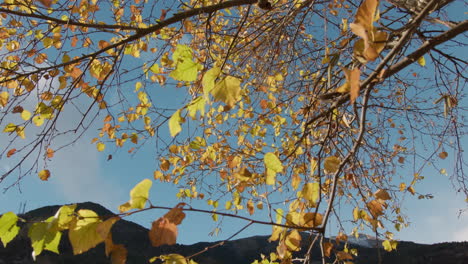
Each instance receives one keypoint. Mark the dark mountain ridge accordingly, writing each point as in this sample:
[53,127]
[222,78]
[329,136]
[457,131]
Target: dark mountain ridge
[246,250]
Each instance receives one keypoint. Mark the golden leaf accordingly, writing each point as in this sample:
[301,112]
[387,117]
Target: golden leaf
[382,195]
[332,164]
[293,240]
[44,175]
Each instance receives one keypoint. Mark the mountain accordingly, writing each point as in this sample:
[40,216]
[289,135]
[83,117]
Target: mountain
[246,250]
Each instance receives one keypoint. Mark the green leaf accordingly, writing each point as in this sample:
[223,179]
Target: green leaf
[208,80]
[45,235]
[198,104]
[83,233]
[174,123]
[25,115]
[227,90]
[273,166]
[8,227]
[138,196]
[311,192]
[185,68]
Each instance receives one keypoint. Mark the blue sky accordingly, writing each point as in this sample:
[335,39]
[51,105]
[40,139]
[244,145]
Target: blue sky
[80,173]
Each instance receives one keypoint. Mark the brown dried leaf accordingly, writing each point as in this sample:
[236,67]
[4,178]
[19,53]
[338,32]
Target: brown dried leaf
[365,15]
[11,152]
[103,229]
[46,3]
[327,248]
[117,252]
[355,85]
[341,255]
[375,208]
[443,155]
[50,153]
[250,207]
[382,195]
[163,232]
[176,215]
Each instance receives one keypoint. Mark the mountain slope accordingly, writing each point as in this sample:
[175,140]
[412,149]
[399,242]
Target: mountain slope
[245,250]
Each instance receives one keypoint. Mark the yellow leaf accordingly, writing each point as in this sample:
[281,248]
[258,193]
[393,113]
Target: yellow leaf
[174,123]
[273,166]
[227,90]
[198,104]
[356,213]
[64,216]
[44,175]
[138,86]
[158,175]
[402,186]
[293,240]
[100,146]
[8,228]
[154,68]
[138,196]
[208,80]
[272,162]
[332,164]
[20,132]
[422,61]
[38,120]
[4,98]
[390,245]
[26,115]
[276,233]
[83,233]
[10,128]
[186,69]
[174,259]
[44,235]
[311,192]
